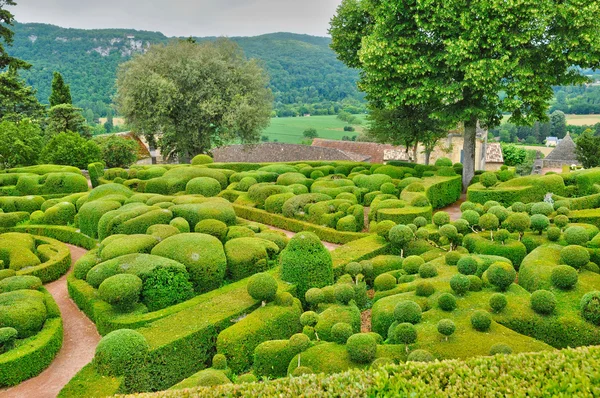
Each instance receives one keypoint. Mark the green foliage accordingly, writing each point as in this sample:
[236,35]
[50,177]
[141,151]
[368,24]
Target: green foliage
[543,302]
[8,336]
[590,307]
[488,179]
[403,333]
[481,320]
[467,265]
[118,151]
[384,282]
[498,302]
[341,332]
[64,118]
[446,327]
[575,256]
[420,356]
[122,291]
[205,186]
[361,348]
[513,155]
[564,277]
[23,310]
[460,284]
[20,282]
[120,350]
[164,287]
[587,149]
[244,102]
[61,93]
[424,289]
[20,143]
[407,311]
[306,263]
[344,292]
[501,275]
[68,148]
[201,159]
[576,235]
[262,287]
[447,302]
[428,270]
[216,228]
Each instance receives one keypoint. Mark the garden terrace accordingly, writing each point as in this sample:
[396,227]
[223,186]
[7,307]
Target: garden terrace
[242,245]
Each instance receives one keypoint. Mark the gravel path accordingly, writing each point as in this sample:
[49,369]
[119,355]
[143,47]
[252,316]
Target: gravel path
[454,209]
[79,344]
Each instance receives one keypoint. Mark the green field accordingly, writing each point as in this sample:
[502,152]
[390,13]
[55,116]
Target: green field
[574,120]
[290,129]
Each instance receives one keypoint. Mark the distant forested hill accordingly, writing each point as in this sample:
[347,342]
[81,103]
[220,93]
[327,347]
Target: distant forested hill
[305,75]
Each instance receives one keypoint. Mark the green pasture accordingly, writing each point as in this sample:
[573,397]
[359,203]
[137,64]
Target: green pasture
[289,129]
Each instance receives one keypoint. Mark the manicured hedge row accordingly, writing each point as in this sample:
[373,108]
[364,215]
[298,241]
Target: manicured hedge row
[571,372]
[33,355]
[587,216]
[514,250]
[61,233]
[358,250]
[279,221]
[54,268]
[523,189]
[443,191]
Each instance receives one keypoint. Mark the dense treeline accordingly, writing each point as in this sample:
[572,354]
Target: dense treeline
[305,75]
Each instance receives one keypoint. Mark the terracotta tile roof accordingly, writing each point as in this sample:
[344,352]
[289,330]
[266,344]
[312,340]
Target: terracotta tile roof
[369,149]
[493,153]
[279,152]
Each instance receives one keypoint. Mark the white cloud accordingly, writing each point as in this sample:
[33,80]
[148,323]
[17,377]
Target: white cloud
[185,17]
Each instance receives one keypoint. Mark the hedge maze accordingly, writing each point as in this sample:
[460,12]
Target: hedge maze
[192,284]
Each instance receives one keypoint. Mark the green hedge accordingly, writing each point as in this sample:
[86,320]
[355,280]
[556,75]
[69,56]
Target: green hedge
[523,189]
[513,250]
[61,233]
[358,250]
[570,372]
[279,221]
[443,191]
[55,266]
[34,354]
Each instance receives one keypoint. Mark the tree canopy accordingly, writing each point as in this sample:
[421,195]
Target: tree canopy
[61,93]
[471,60]
[194,96]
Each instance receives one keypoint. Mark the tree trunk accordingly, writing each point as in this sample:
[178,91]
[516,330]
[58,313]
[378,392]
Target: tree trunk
[415,151]
[469,152]
[427,156]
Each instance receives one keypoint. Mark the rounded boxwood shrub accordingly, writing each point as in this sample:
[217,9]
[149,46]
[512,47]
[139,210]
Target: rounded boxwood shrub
[590,307]
[543,302]
[488,179]
[362,348]
[23,310]
[303,370]
[543,208]
[309,331]
[500,212]
[564,277]
[539,223]
[424,289]
[164,287]
[121,291]
[309,318]
[384,282]
[314,296]
[481,320]
[517,222]
[300,342]
[212,377]
[201,159]
[453,257]
[400,235]
[460,284]
[554,234]
[498,302]
[219,361]
[340,332]
[7,273]
[120,350]
[245,184]
[8,336]
[562,210]
[284,299]
[215,228]
[205,186]
[344,292]
[518,207]
[471,216]
[446,327]
[501,274]
[383,228]
[561,221]
[467,265]
[420,221]
[20,282]
[306,263]
[420,355]
[441,218]
[427,270]
[443,162]
[246,378]
[575,256]
[262,287]
[407,311]
[353,269]
[403,333]
[475,283]
[411,264]
[328,294]
[447,302]
[500,349]
[577,235]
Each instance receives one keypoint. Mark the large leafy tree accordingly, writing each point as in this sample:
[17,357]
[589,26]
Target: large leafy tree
[7,19]
[66,117]
[194,96]
[20,143]
[61,93]
[17,99]
[588,150]
[473,60]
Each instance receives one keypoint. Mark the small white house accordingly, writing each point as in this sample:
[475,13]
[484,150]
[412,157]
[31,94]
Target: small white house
[552,141]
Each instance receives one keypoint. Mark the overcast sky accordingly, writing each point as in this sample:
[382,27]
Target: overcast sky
[185,17]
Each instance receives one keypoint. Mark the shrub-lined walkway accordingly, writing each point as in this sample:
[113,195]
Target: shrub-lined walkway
[79,344]
[290,234]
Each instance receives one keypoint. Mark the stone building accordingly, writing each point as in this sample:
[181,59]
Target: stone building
[563,155]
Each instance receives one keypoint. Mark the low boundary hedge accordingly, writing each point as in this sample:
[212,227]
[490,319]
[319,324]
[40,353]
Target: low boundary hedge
[358,250]
[61,233]
[571,372]
[290,224]
[51,270]
[33,355]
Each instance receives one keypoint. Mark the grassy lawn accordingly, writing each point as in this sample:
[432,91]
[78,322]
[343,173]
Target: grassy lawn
[290,129]
[574,120]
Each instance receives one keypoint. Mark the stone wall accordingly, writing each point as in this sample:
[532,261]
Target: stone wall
[279,152]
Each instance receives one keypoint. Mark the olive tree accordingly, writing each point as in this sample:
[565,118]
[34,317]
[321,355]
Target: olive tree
[469,61]
[189,98]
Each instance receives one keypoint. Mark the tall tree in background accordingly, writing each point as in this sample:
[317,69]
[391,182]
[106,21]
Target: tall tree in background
[6,35]
[17,99]
[459,56]
[194,96]
[559,124]
[61,93]
[65,117]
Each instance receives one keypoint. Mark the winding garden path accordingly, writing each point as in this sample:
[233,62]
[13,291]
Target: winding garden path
[454,209]
[290,234]
[79,344]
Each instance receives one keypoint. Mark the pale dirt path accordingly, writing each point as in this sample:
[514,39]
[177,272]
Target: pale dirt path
[454,209]
[79,344]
